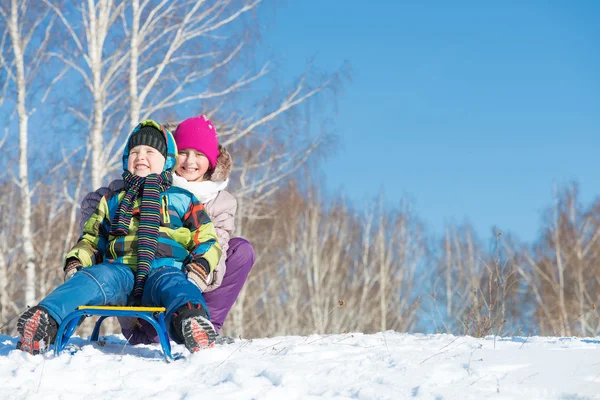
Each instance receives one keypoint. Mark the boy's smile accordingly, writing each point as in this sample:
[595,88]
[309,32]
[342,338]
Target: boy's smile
[145,160]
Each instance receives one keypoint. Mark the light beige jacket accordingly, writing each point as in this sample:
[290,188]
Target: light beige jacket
[221,211]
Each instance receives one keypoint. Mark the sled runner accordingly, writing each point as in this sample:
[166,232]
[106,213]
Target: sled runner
[153,315]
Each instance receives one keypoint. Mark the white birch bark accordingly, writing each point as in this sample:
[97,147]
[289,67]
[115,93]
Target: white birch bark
[99,72]
[16,36]
[6,251]
[560,268]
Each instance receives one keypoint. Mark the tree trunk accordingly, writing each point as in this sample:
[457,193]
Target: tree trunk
[27,233]
[383,270]
[95,53]
[564,320]
[4,298]
[134,110]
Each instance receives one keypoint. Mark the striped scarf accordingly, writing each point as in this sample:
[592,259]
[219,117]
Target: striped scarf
[150,189]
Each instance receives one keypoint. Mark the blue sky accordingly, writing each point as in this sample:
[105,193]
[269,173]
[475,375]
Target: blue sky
[470,109]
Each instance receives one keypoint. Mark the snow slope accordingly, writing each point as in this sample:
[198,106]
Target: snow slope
[386,365]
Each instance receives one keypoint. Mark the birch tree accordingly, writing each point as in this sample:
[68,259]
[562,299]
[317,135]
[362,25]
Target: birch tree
[169,53]
[314,259]
[184,53]
[400,251]
[475,291]
[456,290]
[168,35]
[562,268]
[271,144]
[9,243]
[24,24]
[322,270]
[101,66]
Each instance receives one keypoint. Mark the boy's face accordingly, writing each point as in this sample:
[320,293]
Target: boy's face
[191,165]
[145,160]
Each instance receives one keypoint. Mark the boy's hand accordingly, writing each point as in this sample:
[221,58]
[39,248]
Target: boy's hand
[199,273]
[73,265]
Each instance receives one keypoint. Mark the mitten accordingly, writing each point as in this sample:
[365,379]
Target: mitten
[129,323]
[138,331]
[73,265]
[199,272]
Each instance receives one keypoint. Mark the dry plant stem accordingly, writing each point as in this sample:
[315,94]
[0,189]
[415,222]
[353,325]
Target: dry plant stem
[347,337]
[126,343]
[530,376]
[574,320]
[340,304]
[230,354]
[273,345]
[525,341]
[439,351]
[386,345]
[41,375]
[317,340]
[13,318]
[477,380]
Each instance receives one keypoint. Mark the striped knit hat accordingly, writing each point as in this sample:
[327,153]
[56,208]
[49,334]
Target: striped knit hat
[151,134]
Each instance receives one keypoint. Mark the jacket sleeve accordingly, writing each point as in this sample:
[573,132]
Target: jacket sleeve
[91,200]
[91,246]
[204,247]
[223,218]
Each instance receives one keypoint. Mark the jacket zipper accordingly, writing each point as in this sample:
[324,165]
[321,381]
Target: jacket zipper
[165,210]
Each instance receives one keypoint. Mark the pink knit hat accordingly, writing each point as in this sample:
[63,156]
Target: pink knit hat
[198,133]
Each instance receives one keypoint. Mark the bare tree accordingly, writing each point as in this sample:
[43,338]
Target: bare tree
[562,268]
[147,58]
[23,24]
[176,45]
[51,222]
[167,34]
[401,253]
[170,53]
[477,292]
[8,252]
[322,266]
[457,286]
[100,73]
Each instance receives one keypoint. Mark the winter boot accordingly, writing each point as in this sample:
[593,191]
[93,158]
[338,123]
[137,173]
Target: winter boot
[194,329]
[37,330]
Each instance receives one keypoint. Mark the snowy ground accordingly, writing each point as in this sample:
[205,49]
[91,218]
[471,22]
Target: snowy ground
[350,366]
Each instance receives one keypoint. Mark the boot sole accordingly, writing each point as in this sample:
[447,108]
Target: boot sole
[198,333]
[32,337]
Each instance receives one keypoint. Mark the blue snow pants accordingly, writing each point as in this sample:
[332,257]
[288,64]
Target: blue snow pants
[111,284]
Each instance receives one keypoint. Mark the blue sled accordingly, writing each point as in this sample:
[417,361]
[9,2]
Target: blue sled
[155,316]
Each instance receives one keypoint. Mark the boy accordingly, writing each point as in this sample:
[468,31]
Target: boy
[138,241]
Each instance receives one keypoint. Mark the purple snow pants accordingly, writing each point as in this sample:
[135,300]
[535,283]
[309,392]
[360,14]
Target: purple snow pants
[240,259]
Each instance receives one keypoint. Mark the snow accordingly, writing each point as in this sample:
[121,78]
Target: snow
[386,365]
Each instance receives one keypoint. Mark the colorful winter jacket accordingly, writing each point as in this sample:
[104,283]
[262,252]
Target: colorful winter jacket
[186,233]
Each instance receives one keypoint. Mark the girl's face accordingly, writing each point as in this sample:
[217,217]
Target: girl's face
[191,165]
[145,160]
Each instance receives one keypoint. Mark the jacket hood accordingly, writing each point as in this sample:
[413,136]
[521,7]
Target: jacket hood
[223,167]
[171,159]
